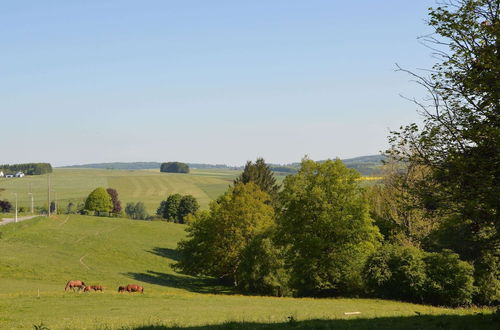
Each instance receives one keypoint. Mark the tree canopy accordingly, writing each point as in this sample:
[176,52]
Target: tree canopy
[261,174]
[99,201]
[174,167]
[117,205]
[217,238]
[326,228]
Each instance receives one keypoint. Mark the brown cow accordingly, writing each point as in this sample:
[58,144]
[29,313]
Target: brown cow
[131,288]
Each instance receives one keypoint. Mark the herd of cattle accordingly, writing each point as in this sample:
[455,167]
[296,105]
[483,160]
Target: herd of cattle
[80,285]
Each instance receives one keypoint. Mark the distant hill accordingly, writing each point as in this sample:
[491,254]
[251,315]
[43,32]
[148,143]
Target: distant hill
[366,165]
[143,166]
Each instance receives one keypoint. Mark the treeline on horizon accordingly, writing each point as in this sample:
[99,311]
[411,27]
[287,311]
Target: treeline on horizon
[27,168]
[366,165]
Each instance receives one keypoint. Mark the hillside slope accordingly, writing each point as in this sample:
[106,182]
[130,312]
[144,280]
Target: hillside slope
[38,256]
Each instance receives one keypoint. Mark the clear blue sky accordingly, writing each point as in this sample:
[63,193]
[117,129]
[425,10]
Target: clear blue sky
[205,81]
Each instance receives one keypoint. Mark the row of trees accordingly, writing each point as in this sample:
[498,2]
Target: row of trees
[177,207]
[314,238]
[28,168]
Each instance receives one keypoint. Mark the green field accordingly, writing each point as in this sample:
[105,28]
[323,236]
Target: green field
[148,186]
[39,256]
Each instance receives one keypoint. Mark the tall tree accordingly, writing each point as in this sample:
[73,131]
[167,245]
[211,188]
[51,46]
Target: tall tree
[460,137]
[326,228]
[217,238]
[261,174]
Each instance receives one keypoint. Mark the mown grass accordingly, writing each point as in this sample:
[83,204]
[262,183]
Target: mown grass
[38,256]
[150,187]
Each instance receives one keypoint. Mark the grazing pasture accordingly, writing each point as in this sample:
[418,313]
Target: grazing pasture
[39,256]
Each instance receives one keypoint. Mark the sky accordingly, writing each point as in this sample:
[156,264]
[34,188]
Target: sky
[205,81]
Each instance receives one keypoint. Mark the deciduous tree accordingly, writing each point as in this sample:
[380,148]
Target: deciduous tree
[326,228]
[218,237]
[99,201]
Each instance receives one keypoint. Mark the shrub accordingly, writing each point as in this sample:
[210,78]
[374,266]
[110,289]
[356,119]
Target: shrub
[450,280]
[487,277]
[136,211]
[117,205]
[396,272]
[5,206]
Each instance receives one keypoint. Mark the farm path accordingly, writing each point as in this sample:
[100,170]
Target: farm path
[9,220]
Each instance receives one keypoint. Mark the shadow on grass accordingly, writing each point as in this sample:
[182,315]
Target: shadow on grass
[469,322]
[166,253]
[194,284]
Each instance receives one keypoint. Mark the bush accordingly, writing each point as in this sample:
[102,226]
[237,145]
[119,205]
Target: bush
[396,272]
[5,206]
[136,211]
[450,280]
[87,212]
[487,277]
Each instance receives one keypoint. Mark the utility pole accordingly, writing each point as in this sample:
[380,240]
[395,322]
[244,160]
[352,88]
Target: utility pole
[48,194]
[55,202]
[16,205]
[32,204]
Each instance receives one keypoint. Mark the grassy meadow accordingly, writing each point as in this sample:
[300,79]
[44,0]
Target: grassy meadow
[39,256]
[148,186]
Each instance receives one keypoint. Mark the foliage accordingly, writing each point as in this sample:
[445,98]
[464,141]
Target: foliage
[217,238]
[460,136]
[136,211]
[261,174]
[408,273]
[174,167]
[396,272]
[99,201]
[52,207]
[326,228]
[187,205]
[176,207]
[487,280]
[262,269]
[450,280]
[28,168]
[397,212]
[5,206]
[117,205]
[70,208]
[170,207]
